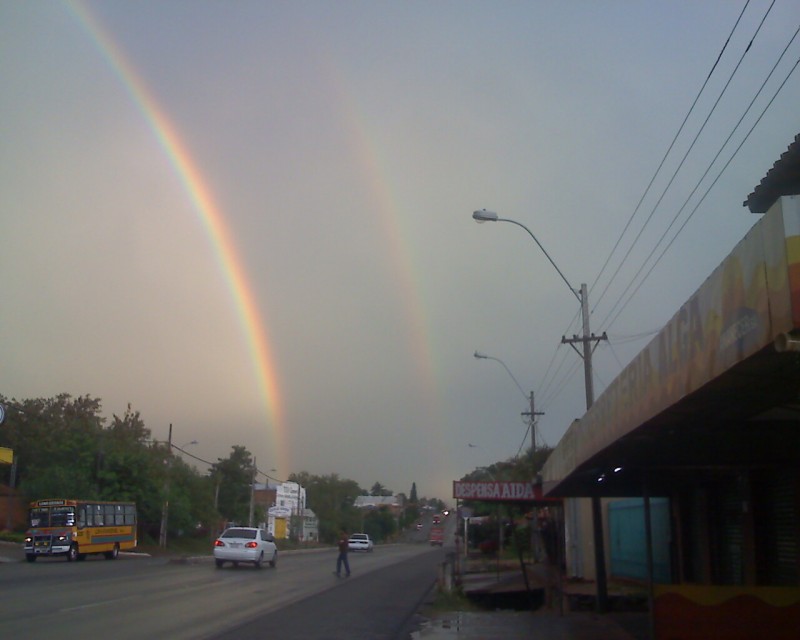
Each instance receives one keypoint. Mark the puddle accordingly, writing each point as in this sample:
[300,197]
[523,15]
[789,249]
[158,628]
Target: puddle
[508,625]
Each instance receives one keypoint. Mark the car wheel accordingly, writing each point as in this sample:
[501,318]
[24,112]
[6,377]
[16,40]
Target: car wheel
[259,561]
[274,560]
[113,554]
[219,563]
[72,554]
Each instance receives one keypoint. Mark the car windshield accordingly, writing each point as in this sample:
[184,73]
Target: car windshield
[250,534]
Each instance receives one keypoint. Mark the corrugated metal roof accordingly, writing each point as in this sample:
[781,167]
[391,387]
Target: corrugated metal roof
[782,180]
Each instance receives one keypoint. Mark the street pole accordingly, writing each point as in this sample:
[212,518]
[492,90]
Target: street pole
[589,341]
[162,537]
[252,494]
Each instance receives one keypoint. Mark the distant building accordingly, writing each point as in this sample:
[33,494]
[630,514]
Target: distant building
[393,503]
[281,507]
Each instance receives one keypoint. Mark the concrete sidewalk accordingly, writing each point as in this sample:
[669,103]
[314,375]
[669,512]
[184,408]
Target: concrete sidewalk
[518,625]
[567,615]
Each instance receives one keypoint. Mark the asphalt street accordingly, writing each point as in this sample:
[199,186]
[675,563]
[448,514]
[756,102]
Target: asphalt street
[380,605]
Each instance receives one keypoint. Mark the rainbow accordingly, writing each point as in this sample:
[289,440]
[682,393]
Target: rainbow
[211,217]
[400,256]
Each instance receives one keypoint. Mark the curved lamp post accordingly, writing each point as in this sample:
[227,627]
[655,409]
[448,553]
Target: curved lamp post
[532,413]
[589,341]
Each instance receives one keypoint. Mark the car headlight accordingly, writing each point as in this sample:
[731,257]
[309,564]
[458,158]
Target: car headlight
[28,541]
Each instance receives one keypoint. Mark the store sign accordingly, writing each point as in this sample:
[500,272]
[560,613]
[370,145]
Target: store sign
[498,491]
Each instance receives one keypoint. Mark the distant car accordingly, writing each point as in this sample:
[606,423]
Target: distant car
[245,544]
[359,542]
[418,526]
[437,520]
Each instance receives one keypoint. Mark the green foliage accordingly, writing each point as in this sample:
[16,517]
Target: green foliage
[410,515]
[234,475]
[64,448]
[517,469]
[379,490]
[380,524]
[331,498]
[412,497]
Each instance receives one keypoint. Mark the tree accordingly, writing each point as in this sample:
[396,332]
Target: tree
[331,498]
[57,445]
[380,524]
[234,475]
[131,467]
[412,498]
[379,490]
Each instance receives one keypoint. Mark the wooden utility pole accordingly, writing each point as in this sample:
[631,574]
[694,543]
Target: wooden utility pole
[162,537]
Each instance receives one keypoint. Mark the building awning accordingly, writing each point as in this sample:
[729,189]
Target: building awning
[711,390]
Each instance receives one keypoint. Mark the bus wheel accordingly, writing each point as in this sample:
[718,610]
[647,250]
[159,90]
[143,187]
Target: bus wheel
[112,555]
[72,554]
[30,557]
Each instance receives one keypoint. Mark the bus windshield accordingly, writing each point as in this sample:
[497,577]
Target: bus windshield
[53,517]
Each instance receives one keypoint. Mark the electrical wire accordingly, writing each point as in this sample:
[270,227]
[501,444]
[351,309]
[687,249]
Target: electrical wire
[711,186]
[682,161]
[660,166]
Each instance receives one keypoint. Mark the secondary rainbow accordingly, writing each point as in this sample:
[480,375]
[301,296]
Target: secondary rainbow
[254,325]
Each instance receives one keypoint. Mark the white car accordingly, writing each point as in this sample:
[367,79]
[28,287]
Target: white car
[359,542]
[245,544]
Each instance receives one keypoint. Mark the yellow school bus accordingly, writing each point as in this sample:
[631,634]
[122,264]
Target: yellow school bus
[76,528]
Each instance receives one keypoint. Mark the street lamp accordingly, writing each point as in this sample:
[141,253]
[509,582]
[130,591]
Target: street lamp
[482,356]
[589,341]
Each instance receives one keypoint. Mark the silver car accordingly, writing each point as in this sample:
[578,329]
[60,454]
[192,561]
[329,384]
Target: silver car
[245,544]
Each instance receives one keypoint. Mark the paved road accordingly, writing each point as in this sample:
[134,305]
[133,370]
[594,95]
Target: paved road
[380,605]
[141,597]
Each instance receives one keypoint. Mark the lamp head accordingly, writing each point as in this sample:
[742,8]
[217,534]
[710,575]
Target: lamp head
[482,215]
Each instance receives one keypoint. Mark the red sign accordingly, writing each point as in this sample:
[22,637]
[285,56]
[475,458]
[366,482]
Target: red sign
[497,491]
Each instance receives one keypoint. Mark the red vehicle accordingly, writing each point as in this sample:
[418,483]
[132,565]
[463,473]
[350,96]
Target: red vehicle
[437,536]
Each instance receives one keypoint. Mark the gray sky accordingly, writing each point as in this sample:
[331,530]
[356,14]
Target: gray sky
[252,220]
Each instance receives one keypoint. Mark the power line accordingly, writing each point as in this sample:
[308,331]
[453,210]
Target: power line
[660,166]
[711,186]
[683,161]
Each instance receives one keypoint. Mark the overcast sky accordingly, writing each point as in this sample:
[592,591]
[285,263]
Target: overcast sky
[252,219]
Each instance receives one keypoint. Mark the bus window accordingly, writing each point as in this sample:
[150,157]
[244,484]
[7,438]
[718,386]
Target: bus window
[98,515]
[40,517]
[81,516]
[119,516]
[130,514]
[109,514]
[62,517]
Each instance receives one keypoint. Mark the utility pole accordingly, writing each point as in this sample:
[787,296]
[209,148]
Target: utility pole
[162,537]
[589,342]
[533,413]
[252,493]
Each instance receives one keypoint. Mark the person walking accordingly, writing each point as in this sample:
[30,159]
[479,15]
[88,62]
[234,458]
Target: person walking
[342,558]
